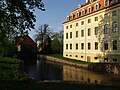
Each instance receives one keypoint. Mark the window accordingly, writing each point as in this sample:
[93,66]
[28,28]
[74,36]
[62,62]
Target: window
[70,34]
[114,60]
[70,26]
[106,16]
[89,46]
[66,27]
[96,30]
[89,20]
[96,18]
[95,57]
[114,1]
[82,46]
[76,46]
[83,12]
[97,6]
[70,46]
[105,45]
[89,10]
[66,35]
[82,33]
[77,14]
[76,24]
[106,29]
[71,17]
[76,34]
[89,32]
[96,45]
[106,3]
[76,55]
[82,56]
[114,13]
[82,23]
[114,44]
[66,46]
[114,26]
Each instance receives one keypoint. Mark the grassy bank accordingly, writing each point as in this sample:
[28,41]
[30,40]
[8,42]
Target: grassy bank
[60,56]
[11,69]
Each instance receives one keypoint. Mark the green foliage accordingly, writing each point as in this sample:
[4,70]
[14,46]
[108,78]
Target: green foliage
[16,18]
[56,46]
[57,42]
[7,48]
[11,69]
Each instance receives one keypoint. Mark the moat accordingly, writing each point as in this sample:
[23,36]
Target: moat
[46,70]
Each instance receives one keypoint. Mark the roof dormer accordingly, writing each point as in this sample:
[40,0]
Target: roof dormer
[106,3]
[83,12]
[97,6]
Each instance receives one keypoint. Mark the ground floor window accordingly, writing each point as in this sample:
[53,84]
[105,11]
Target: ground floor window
[105,45]
[114,44]
[95,57]
[114,60]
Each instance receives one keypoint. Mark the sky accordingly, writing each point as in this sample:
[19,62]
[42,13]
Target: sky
[55,13]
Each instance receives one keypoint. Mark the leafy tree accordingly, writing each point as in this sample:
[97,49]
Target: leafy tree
[57,42]
[16,17]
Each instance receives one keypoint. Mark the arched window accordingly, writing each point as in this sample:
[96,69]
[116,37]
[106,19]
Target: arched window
[77,14]
[71,16]
[96,6]
[106,3]
[89,9]
[83,12]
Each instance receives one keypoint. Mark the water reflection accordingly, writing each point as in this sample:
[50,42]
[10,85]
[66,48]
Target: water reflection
[45,71]
[53,71]
[82,75]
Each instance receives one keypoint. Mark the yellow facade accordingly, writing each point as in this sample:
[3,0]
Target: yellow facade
[92,47]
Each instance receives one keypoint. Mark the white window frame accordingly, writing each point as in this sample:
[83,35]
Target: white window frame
[97,6]
[106,3]
[89,9]
[77,14]
[83,12]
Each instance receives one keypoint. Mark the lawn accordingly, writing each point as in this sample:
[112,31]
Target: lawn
[60,56]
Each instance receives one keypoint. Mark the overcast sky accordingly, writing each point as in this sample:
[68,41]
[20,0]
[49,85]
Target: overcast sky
[55,14]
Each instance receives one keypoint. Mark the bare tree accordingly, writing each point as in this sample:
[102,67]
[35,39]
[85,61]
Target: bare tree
[42,32]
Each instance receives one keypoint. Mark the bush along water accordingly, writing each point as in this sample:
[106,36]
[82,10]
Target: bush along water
[11,69]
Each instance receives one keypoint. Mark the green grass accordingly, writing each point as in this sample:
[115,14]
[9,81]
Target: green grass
[11,69]
[68,59]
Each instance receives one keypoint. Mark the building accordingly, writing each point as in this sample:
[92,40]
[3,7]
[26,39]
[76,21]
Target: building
[92,32]
[26,47]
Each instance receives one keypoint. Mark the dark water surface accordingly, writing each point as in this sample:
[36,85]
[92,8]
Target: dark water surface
[46,70]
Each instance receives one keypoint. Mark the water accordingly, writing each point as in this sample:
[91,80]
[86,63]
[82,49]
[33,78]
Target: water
[46,70]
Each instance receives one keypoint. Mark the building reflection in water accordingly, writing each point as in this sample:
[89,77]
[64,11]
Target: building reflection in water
[85,76]
[43,70]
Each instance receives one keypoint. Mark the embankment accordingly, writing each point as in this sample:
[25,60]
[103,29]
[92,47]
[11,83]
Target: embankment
[113,68]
